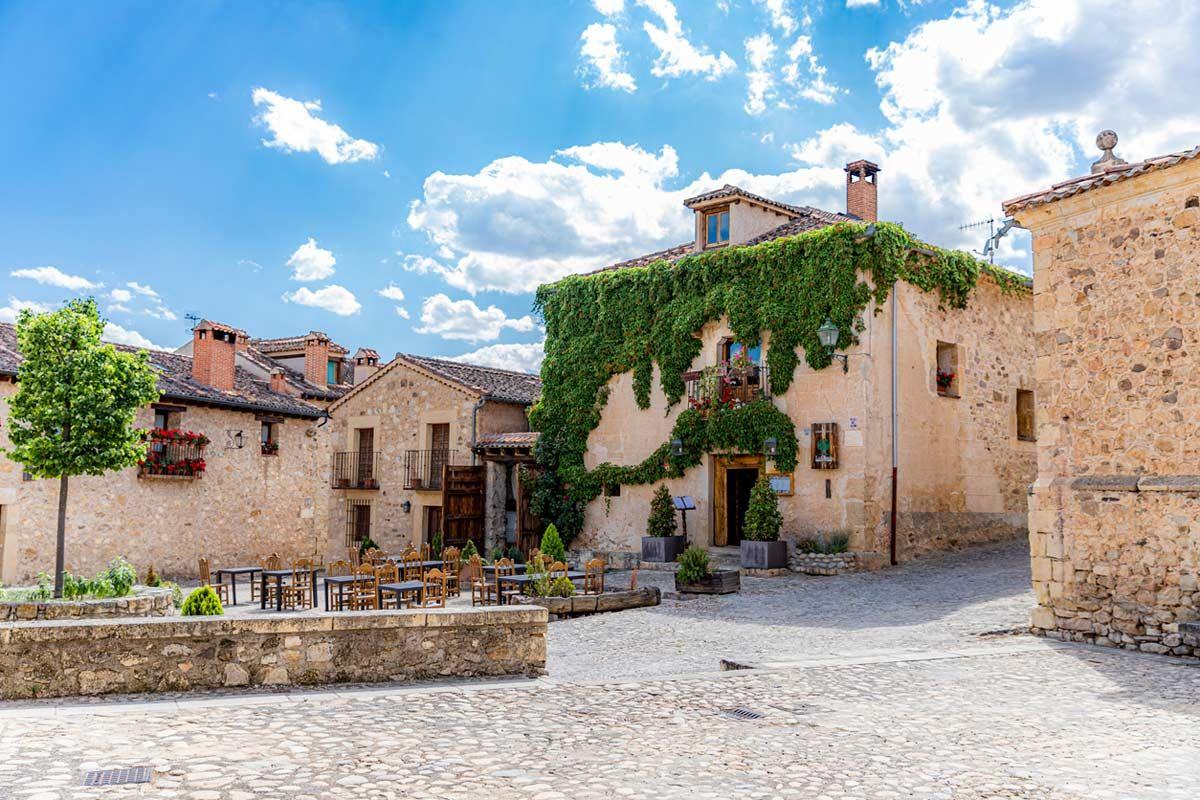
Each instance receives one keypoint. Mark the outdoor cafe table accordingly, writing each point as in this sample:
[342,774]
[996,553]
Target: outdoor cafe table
[278,575]
[233,573]
[398,589]
[524,580]
[490,569]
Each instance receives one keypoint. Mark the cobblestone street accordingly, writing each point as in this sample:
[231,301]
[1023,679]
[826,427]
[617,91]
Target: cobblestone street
[870,686]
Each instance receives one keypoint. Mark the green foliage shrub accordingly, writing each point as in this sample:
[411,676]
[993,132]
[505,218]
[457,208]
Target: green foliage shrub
[561,587]
[202,602]
[366,544]
[662,520]
[176,592]
[831,544]
[469,550]
[497,554]
[763,519]
[516,555]
[552,544]
[693,565]
[152,579]
[436,545]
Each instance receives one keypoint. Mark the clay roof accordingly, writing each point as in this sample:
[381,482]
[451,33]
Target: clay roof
[289,343]
[729,190]
[513,440]
[208,324]
[492,383]
[175,382]
[366,352]
[296,378]
[1109,175]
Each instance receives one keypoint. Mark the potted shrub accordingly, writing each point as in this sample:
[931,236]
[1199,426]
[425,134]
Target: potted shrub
[761,548]
[696,575]
[661,542]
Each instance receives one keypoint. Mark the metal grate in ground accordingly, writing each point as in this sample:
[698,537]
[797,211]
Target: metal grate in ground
[117,777]
[743,713]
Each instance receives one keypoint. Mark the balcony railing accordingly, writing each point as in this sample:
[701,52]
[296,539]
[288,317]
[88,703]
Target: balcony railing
[724,385]
[423,468]
[355,469]
[174,454]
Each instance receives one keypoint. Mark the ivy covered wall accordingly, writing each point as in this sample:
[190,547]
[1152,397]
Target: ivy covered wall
[608,323]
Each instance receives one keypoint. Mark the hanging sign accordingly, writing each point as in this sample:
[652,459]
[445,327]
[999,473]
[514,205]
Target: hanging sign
[824,445]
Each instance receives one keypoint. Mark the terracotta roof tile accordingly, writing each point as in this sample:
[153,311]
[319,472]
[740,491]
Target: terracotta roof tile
[288,343]
[496,384]
[514,439]
[1111,175]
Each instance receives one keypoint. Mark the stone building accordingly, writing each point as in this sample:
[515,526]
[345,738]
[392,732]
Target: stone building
[404,460]
[964,454]
[257,492]
[1115,512]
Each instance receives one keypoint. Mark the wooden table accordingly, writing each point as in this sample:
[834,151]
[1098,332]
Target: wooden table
[233,573]
[278,575]
[398,589]
[524,580]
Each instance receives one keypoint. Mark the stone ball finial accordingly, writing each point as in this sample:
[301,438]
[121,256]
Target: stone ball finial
[1106,140]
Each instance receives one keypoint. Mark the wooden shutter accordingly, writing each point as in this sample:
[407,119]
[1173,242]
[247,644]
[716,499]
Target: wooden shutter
[463,505]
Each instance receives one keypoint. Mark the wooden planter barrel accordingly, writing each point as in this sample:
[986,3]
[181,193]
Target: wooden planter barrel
[724,581]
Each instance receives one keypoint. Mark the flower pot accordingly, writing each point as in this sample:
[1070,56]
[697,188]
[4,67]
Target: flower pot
[662,548]
[764,555]
[723,581]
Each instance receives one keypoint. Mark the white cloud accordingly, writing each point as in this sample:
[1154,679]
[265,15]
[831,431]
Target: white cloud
[10,312]
[760,50]
[118,335]
[253,265]
[154,305]
[142,289]
[160,311]
[515,357]
[609,8]
[863,3]
[311,263]
[386,174]
[119,308]
[805,73]
[781,15]
[402,312]
[53,276]
[333,298]
[604,60]
[294,129]
[462,319]
[677,56]
[121,295]
[392,292]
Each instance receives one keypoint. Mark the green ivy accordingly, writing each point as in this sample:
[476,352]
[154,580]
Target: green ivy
[627,320]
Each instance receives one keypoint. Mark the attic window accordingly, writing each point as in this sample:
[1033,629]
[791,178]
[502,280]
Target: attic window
[716,228]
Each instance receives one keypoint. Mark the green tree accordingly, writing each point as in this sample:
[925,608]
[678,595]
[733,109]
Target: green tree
[662,520]
[75,404]
[552,544]
[763,519]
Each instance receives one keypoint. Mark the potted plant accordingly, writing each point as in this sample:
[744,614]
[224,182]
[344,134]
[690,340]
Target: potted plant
[661,542]
[696,575]
[761,548]
[945,381]
[270,448]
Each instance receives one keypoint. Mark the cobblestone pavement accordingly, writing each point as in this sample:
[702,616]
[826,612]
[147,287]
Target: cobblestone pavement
[946,715]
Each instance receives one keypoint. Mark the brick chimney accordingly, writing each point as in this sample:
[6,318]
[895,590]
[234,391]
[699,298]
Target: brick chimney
[214,354]
[316,358]
[243,341]
[366,364]
[862,191]
[279,382]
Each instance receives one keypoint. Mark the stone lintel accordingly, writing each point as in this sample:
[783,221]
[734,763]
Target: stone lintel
[1169,483]
[1132,483]
[1105,483]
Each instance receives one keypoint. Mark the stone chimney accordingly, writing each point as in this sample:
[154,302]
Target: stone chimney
[316,358]
[862,191]
[366,364]
[214,354]
[279,383]
[243,341]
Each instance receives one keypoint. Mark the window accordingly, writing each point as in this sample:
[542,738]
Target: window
[331,372]
[731,349]
[1026,429]
[612,490]
[946,376]
[716,227]
[358,522]
[267,437]
[166,418]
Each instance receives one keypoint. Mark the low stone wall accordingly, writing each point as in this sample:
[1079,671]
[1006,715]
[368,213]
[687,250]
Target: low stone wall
[595,603]
[834,563]
[146,602]
[90,657]
[613,559]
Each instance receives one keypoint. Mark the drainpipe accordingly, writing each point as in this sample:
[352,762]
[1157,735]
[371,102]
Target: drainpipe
[475,427]
[895,429]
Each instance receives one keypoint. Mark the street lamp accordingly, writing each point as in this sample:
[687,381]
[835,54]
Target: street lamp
[828,334]
[770,446]
[677,447]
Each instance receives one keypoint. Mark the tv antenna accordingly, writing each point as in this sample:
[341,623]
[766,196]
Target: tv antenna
[994,236]
[193,318]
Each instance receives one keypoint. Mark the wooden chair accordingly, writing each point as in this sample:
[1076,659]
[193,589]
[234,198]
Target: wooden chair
[337,569]
[388,572]
[479,585]
[593,576]
[222,589]
[298,593]
[411,566]
[452,566]
[425,554]
[433,590]
[501,590]
[353,555]
[363,594]
[557,570]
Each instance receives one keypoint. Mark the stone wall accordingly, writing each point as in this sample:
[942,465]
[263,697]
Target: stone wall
[56,659]
[400,405]
[245,505]
[833,563]
[145,602]
[1115,514]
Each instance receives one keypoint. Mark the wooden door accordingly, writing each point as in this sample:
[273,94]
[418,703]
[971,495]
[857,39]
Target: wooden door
[463,505]
[722,466]
[433,523]
[529,525]
[365,468]
[439,453]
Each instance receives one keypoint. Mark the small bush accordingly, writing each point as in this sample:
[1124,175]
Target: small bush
[829,545]
[435,546]
[176,592]
[469,550]
[552,544]
[202,602]
[763,519]
[561,587]
[120,577]
[662,520]
[497,554]
[515,554]
[366,544]
[152,579]
[693,565]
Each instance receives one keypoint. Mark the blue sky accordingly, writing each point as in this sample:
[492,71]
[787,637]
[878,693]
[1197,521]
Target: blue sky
[401,175]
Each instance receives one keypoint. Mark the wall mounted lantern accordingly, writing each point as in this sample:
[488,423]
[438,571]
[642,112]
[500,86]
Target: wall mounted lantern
[677,447]
[828,334]
[770,446]
[239,440]
[407,506]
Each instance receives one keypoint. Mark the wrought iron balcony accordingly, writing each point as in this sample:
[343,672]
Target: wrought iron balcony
[423,468]
[173,454]
[355,469]
[724,385]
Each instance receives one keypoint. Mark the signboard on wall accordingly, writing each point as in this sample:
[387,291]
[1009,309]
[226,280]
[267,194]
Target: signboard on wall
[824,445]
